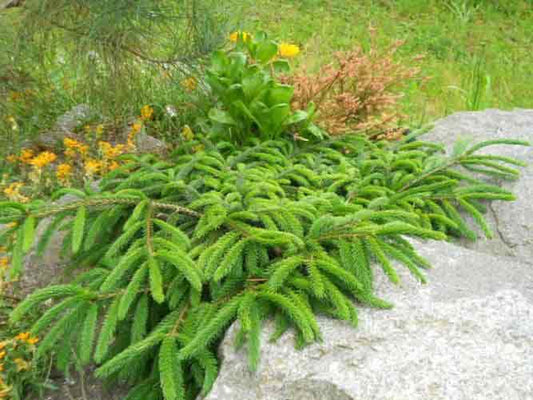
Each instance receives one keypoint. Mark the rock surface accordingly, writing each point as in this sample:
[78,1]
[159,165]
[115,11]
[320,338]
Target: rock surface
[467,335]
[512,221]
[64,126]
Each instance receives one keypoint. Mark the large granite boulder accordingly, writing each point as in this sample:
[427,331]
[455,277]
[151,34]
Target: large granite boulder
[512,222]
[466,335]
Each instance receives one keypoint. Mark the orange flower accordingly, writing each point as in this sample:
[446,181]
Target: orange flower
[33,340]
[71,143]
[26,155]
[23,336]
[74,146]
[113,166]
[4,263]
[43,159]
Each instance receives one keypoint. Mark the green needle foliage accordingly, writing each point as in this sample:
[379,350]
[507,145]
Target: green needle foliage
[172,252]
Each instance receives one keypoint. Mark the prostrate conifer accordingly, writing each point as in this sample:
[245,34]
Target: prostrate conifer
[171,252]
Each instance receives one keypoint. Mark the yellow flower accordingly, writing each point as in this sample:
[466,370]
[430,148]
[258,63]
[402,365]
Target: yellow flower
[136,127]
[92,167]
[4,263]
[109,151]
[12,158]
[74,146]
[13,122]
[12,192]
[13,189]
[43,159]
[64,172]
[32,340]
[12,224]
[22,365]
[113,165]
[189,84]
[70,153]
[2,354]
[15,96]
[23,336]
[235,36]
[147,112]
[26,155]
[198,148]
[99,130]
[71,143]
[288,50]
[187,133]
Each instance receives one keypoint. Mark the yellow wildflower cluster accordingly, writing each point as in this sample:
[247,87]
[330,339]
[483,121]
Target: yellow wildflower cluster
[15,357]
[287,50]
[12,192]
[235,36]
[4,262]
[80,158]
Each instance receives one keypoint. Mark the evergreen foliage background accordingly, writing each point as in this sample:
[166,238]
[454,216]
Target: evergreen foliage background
[115,56]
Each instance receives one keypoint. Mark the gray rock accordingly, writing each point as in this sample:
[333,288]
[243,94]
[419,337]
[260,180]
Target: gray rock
[468,335]
[10,3]
[149,144]
[512,222]
[65,126]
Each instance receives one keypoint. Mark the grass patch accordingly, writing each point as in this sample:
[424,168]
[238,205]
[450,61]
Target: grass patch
[477,53]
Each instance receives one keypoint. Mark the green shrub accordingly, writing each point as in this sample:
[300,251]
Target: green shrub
[252,102]
[173,251]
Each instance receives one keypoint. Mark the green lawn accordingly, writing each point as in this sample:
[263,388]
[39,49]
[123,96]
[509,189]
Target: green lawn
[479,54]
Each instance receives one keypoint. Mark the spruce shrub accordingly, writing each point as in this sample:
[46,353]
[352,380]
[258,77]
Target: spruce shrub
[173,251]
[239,226]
